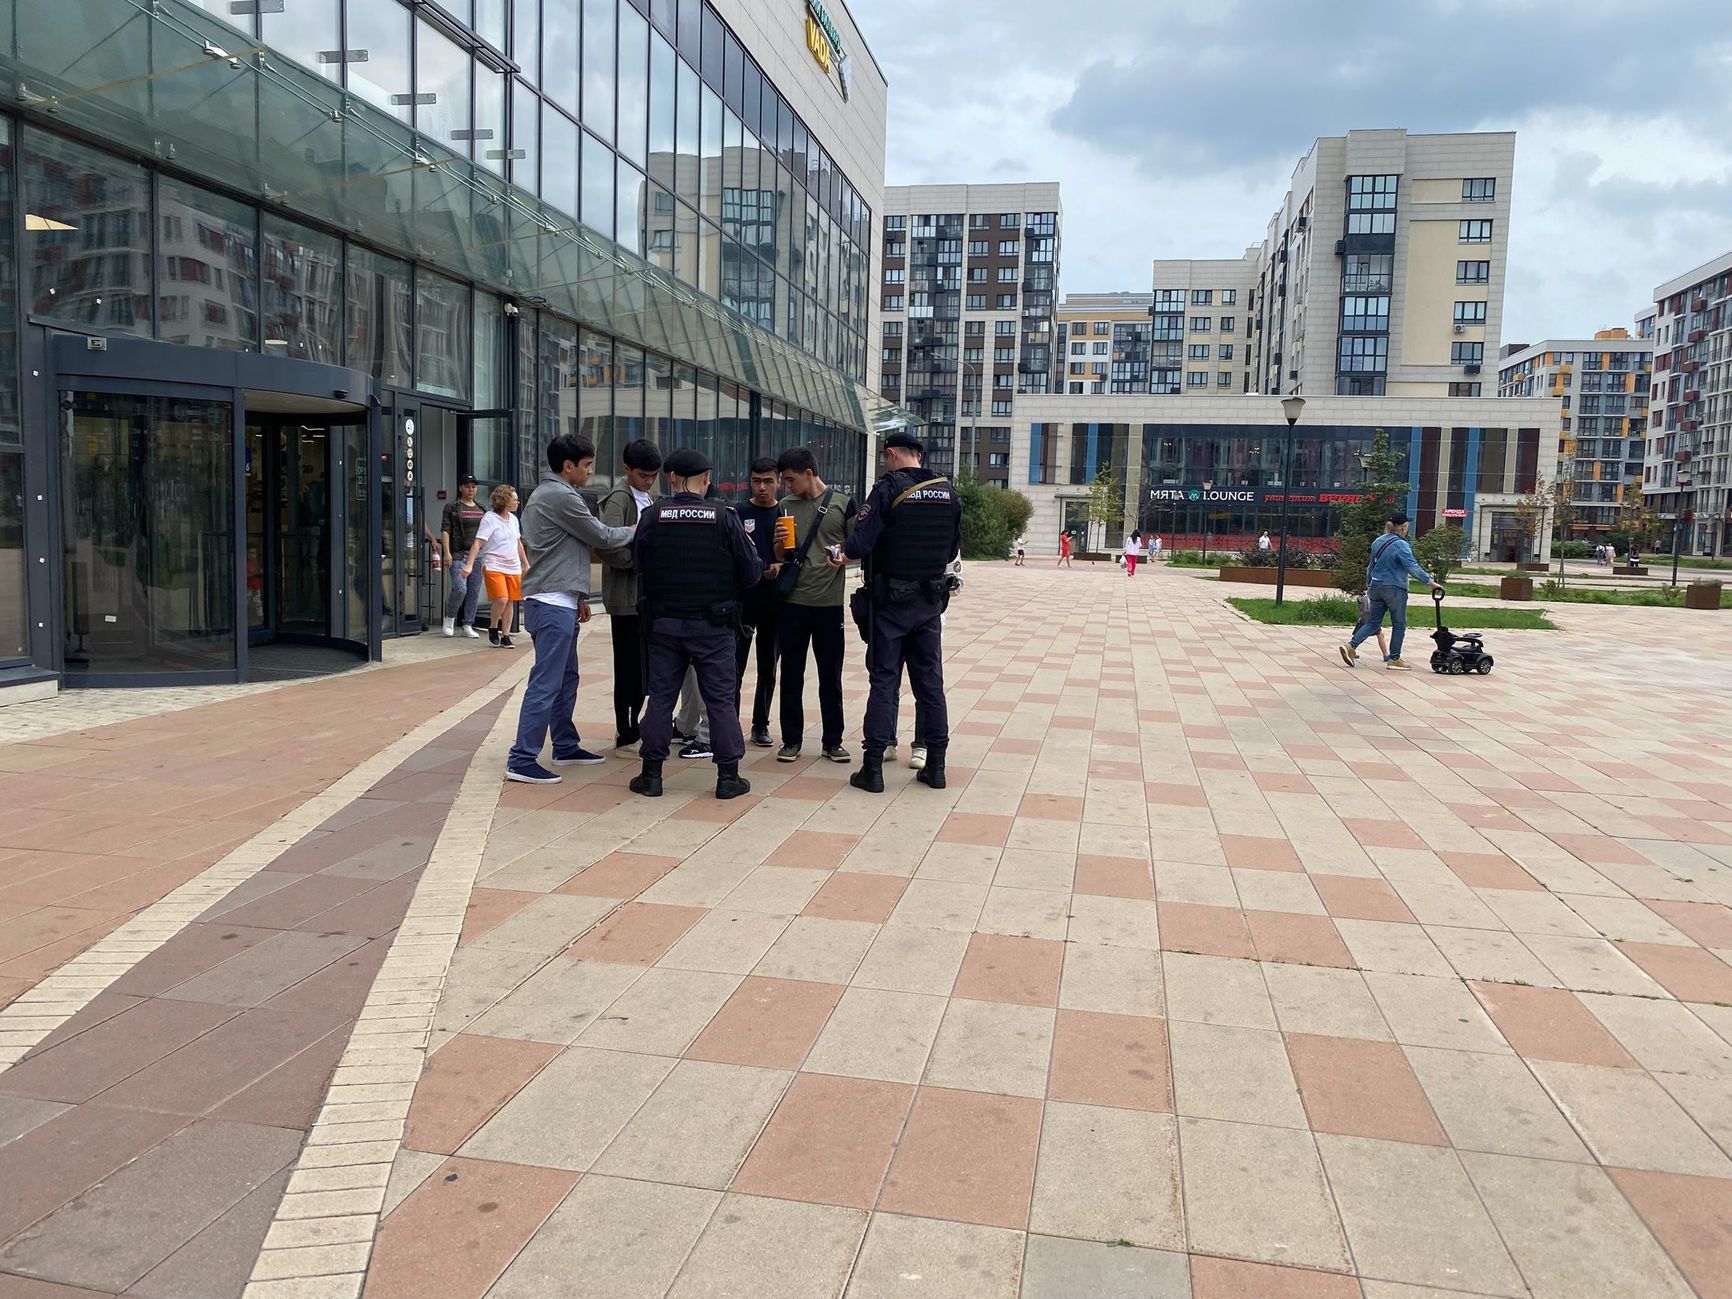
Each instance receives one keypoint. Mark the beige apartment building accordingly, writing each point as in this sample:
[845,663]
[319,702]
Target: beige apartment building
[1602,384]
[1687,475]
[1203,326]
[1103,343]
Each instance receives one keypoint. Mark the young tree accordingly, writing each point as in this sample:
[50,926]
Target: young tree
[1562,494]
[1440,550]
[1363,520]
[1107,502]
[1530,518]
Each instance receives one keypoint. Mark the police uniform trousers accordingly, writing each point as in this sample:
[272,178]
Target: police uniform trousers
[674,645]
[907,632]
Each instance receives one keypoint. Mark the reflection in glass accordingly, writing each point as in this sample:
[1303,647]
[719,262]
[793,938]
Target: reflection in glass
[14,610]
[490,22]
[147,517]
[686,164]
[633,83]
[358,577]
[598,163]
[442,71]
[526,38]
[303,292]
[489,391]
[443,331]
[525,138]
[9,427]
[207,269]
[628,232]
[305,31]
[491,144]
[661,111]
[658,382]
[595,376]
[379,315]
[382,79]
[558,378]
[598,55]
[559,160]
[85,251]
[559,54]
[628,369]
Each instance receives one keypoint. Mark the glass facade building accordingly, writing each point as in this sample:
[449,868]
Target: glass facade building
[273,273]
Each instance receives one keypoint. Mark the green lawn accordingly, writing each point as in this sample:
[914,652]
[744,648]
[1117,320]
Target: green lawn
[1340,611]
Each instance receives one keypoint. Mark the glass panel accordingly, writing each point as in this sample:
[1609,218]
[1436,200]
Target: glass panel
[633,83]
[379,315]
[660,235]
[525,138]
[148,519]
[686,167]
[382,79]
[14,612]
[598,55]
[303,564]
[207,269]
[595,361]
[306,30]
[490,22]
[686,244]
[491,140]
[490,449]
[710,178]
[303,292]
[661,111]
[628,425]
[559,160]
[630,207]
[87,234]
[691,31]
[598,164]
[558,373]
[9,426]
[526,40]
[489,391]
[658,410]
[559,54]
[442,72]
[357,554]
[443,331]
[704,429]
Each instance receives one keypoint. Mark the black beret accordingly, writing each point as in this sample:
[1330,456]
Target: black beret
[906,441]
[687,463]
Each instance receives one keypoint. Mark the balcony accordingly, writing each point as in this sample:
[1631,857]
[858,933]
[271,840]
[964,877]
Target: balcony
[1696,335]
[1698,304]
[1365,283]
[1690,367]
[1692,394]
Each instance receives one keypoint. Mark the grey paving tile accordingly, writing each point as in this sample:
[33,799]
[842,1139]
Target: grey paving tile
[547,925]
[952,1260]
[567,1114]
[1109,1175]
[1493,1103]
[557,1002]
[697,1127]
[1258,1193]
[19,1114]
[216,1263]
[1629,1121]
[254,976]
[1238,1074]
[1057,1268]
[989,1046]
[1216,990]
[772,1249]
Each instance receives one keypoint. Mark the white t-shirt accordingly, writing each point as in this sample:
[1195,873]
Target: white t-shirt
[1263,542]
[499,536]
[1131,547]
[643,499]
[1019,543]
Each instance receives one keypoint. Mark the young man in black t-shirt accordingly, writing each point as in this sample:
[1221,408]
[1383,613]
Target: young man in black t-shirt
[762,605]
[457,529]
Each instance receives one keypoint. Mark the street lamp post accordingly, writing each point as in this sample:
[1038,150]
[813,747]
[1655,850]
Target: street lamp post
[1208,486]
[1291,407]
[974,419]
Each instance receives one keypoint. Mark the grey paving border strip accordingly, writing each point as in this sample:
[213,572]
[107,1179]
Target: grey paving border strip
[72,987]
[322,1237]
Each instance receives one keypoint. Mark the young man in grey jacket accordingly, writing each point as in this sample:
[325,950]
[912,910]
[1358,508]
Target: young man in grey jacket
[558,531]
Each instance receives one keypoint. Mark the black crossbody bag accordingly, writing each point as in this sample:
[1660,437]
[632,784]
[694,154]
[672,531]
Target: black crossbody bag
[790,573]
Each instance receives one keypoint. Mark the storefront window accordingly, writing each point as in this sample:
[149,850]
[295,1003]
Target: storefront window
[87,236]
[14,610]
[558,371]
[207,269]
[9,426]
[379,313]
[443,332]
[303,292]
[595,370]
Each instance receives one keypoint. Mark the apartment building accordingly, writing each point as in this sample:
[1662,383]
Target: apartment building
[968,313]
[1687,475]
[1203,326]
[1103,343]
[1382,272]
[1602,383]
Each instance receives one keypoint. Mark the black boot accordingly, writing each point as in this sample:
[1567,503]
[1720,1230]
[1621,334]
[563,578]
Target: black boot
[729,782]
[648,782]
[870,777]
[932,773]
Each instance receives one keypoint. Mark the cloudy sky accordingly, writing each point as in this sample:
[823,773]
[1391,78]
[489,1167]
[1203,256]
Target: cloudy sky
[1174,127]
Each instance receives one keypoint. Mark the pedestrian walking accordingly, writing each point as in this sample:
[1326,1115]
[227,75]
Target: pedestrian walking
[908,533]
[498,551]
[457,526]
[1154,547]
[1391,564]
[1133,548]
[621,508]
[696,563]
[761,608]
[819,517]
[558,531]
[1021,550]
[1063,550]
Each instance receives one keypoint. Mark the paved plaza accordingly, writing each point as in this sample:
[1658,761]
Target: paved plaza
[1218,971]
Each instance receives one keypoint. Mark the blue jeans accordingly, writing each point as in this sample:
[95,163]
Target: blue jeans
[1390,597]
[465,593]
[551,695]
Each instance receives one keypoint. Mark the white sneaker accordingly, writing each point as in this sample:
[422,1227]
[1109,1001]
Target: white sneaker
[917,756]
[451,626]
[471,632]
[890,753]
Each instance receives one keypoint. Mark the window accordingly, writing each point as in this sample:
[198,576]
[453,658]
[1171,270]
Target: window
[893,302]
[977,275]
[1103,327]
[896,223]
[1365,312]
[1371,205]
[1466,353]
[1007,248]
[1198,351]
[1229,297]
[1363,353]
[1196,379]
[1101,349]
[1079,349]
[1004,355]
[1474,232]
[1367,272]
[1464,389]
[977,248]
[1079,367]
[1470,313]
[1169,300]
[977,221]
[1201,324]
[1002,406]
[1004,381]
[1076,389]
[1202,297]
[1004,328]
[1480,190]
[893,329]
[1007,302]
[1473,272]
[1224,379]
[893,277]
[1007,275]
[1226,324]
[1009,220]
[976,302]
[1225,352]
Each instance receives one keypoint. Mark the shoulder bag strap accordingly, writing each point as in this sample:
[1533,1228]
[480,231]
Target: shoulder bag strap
[817,522]
[1377,550]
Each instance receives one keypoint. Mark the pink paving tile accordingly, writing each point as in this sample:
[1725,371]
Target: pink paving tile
[1210,931]
[1709,923]
[1118,1060]
[639,933]
[1176,795]
[1284,782]
[1222,1278]
[966,1156]
[1547,780]
[813,850]
[1249,852]
[465,1083]
[1377,770]
[593,797]
[1114,769]
[1549,1024]
[1686,830]
[1384,834]
[1073,723]
[1356,1088]
[816,788]
[1692,1219]
[1598,849]
[1490,870]
[1688,973]
[1113,877]
[1217,761]
[723,811]
[1050,807]
[461,1228]
[1297,940]
[975,828]
[829,1141]
[1207,733]
[1484,817]
[1016,745]
[1024,971]
[490,908]
[850,896]
[1348,897]
[23,1287]
[770,1023]
[618,875]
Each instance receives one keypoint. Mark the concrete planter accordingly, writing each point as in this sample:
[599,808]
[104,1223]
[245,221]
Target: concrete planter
[1308,577]
[1533,566]
[1516,588]
[1630,570]
[1702,595]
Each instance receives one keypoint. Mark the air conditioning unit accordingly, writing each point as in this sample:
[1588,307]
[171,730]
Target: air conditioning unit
[1471,368]
[1340,247]
[1292,374]
[1460,328]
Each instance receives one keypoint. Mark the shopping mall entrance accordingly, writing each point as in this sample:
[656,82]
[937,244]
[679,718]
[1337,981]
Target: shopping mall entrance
[220,527]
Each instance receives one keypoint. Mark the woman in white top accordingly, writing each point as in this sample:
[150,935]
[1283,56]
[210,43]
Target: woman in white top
[499,546]
[1133,547]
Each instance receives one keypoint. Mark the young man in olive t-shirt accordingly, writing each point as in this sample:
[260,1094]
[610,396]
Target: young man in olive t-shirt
[457,528]
[812,613]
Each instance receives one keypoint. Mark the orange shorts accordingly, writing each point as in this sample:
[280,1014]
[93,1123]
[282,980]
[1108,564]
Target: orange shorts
[503,586]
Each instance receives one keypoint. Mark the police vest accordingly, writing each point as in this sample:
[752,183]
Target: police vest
[919,538]
[688,569]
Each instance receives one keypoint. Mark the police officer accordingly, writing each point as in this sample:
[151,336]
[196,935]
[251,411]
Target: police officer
[908,532]
[696,563]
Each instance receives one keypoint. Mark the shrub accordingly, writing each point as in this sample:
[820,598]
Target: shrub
[992,518]
[1186,559]
[1579,550]
[1439,551]
[1252,557]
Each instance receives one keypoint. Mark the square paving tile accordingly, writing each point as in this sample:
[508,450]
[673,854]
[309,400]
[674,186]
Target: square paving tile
[1056,1267]
[568,1113]
[1359,1088]
[850,896]
[1224,1278]
[1101,1059]
[992,1047]
[1108,1175]
[1206,930]
[953,1260]
[767,1022]
[464,1084]
[1221,1071]
[829,1141]
[639,933]
[1020,970]
[697,1127]
[1256,1192]
[968,1157]
[1549,1024]
[1692,1219]
[1628,1120]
